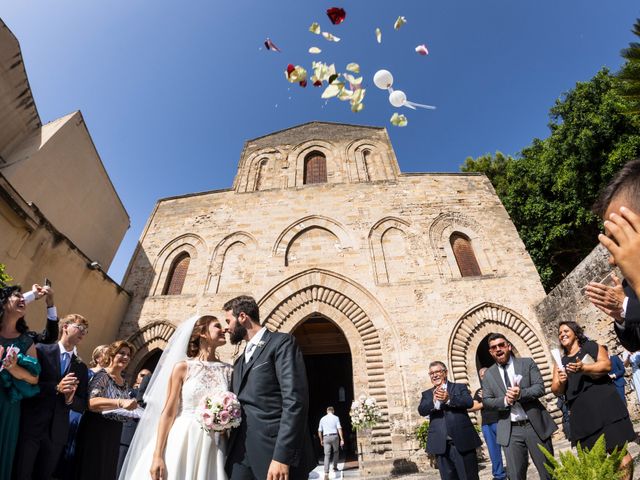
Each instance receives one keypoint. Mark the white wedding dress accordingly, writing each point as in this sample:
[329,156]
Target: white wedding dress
[192,453]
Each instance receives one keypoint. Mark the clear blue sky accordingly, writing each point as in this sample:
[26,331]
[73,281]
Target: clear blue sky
[170,90]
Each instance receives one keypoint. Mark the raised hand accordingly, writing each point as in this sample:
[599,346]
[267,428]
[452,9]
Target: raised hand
[607,298]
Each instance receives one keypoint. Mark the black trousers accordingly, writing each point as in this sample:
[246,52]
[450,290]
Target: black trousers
[36,458]
[456,465]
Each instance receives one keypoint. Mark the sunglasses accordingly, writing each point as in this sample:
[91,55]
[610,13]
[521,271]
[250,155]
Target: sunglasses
[493,348]
[81,328]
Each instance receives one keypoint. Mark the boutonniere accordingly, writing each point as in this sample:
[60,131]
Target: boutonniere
[260,344]
[77,360]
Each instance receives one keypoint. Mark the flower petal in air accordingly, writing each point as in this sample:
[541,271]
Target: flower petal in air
[336,15]
[353,67]
[352,80]
[332,90]
[399,22]
[378,35]
[296,74]
[422,49]
[399,120]
[330,37]
[315,28]
[314,50]
[270,45]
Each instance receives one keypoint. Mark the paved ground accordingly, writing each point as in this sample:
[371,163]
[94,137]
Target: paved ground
[350,471]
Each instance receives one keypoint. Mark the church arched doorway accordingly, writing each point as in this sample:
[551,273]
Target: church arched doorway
[327,358]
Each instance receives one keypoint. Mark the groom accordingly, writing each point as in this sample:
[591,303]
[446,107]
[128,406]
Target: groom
[273,441]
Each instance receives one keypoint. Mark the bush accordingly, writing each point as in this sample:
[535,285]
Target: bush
[422,431]
[594,464]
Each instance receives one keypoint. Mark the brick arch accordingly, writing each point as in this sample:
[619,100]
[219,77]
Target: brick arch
[299,153]
[288,234]
[380,267]
[356,313]
[440,231]
[385,168]
[189,243]
[479,322]
[217,259]
[147,339]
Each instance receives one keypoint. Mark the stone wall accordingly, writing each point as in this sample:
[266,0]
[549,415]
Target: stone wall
[373,257]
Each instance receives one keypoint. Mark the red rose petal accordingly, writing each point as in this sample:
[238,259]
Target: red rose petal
[317,83]
[336,15]
[290,68]
[303,83]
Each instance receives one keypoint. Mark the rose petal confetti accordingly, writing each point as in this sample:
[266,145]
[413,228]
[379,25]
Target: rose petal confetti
[336,15]
[353,67]
[270,45]
[352,80]
[399,120]
[296,74]
[422,49]
[332,90]
[330,37]
[315,28]
[315,50]
[399,22]
[379,35]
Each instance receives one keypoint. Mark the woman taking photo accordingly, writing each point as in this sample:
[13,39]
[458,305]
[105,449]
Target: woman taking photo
[594,404]
[19,375]
[98,440]
[170,443]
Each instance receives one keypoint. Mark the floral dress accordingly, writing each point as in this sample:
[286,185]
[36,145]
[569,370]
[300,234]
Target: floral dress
[98,439]
[11,392]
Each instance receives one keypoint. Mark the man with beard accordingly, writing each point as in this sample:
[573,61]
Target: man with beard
[269,378]
[513,386]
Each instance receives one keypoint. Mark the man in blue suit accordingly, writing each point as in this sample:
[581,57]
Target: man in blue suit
[617,374]
[451,437]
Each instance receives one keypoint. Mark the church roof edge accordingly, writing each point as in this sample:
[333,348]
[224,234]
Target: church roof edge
[313,122]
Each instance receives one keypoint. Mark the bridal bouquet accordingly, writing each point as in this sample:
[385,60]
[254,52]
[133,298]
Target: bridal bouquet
[365,413]
[219,411]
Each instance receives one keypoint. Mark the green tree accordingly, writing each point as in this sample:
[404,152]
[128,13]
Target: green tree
[629,75]
[549,188]
[4,278]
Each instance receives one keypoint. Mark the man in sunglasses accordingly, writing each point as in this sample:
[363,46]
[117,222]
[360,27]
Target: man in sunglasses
[44,420]
[512,386]
[451,437]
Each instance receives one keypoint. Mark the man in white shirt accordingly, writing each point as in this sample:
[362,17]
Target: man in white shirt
[512,386]
[329,430]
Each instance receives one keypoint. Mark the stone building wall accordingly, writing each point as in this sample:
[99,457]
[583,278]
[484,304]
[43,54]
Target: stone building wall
[372,256]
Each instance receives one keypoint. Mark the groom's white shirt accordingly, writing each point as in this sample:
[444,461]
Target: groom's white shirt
[252,344]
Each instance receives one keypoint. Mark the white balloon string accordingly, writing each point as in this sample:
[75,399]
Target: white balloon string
[414,105]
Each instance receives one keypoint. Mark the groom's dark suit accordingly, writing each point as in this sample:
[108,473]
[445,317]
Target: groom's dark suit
[629,335]
[272,389]
[44,419]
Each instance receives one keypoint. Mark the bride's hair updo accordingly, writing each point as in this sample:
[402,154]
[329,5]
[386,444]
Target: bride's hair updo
[200,328]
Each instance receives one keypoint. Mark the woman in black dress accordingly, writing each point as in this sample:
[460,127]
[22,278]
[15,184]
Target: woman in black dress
[594,404]
[98,440]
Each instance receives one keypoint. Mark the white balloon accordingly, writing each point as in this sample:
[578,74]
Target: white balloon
[397,98]
[383,79]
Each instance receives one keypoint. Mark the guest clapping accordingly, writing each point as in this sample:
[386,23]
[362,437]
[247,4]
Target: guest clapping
[19,375]
[595,406]
[44,425]
[98,440]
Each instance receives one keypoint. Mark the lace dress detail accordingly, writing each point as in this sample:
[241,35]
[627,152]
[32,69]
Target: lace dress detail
[203,378]
[192,453]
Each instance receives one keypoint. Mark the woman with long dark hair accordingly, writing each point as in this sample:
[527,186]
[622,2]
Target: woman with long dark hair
[174,446]
[594,404]
[19,375]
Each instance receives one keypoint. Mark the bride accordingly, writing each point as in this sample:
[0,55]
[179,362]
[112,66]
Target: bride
[169,443]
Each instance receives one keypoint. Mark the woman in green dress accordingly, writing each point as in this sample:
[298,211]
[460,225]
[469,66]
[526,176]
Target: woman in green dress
[19,372]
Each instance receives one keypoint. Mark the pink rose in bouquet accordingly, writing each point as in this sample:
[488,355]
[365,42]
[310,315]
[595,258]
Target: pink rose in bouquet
[219,411]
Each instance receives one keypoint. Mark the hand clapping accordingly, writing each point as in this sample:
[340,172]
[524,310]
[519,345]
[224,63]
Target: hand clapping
[441,394]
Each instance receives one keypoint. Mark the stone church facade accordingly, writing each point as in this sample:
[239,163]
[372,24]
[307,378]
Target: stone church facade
[376,272]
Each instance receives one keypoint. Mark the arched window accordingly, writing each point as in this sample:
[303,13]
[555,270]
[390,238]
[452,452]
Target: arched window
[315,168]
[366,161]
[177,275]
[261,171]
[465,258]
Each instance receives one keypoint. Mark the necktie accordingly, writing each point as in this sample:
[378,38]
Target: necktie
[64,362]
[507,382]
[248,351]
